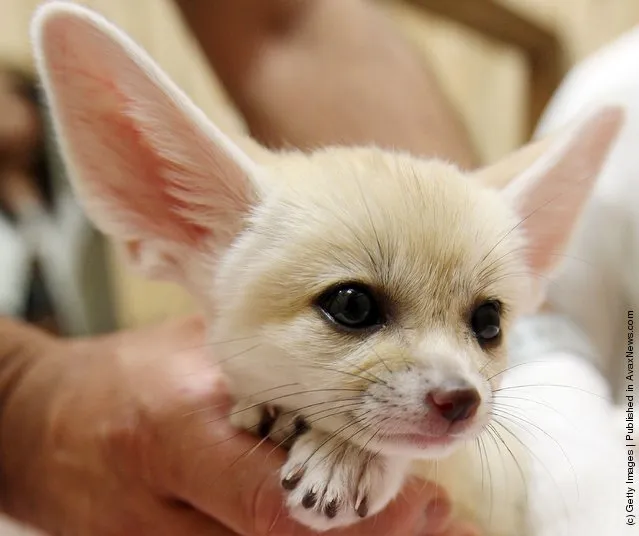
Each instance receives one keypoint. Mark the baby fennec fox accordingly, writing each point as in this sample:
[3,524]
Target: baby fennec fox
[359,299]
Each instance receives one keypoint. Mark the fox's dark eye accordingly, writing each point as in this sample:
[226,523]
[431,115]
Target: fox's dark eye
[351,305]
[485,322]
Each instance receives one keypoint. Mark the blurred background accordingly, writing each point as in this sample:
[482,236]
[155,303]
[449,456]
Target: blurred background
[497,61]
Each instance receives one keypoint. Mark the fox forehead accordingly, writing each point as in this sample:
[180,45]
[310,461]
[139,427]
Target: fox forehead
[420,232]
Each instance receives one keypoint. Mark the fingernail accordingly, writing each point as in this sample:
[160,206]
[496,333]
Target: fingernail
[437,515]
[437,511]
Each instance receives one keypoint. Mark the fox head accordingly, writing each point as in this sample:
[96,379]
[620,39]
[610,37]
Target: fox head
[372,281]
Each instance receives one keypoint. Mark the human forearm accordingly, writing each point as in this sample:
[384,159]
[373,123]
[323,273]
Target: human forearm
[22,349]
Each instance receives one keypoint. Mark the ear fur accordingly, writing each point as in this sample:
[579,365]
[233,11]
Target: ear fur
[149,168]
[551,192]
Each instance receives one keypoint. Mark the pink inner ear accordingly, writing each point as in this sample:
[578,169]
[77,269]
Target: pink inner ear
[142,194]
[143,163]
[552,196]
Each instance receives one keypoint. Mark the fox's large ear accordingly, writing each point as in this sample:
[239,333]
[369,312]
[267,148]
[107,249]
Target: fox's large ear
[554,181]
[150,169]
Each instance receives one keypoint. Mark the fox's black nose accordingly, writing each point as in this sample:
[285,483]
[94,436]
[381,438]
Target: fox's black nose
[456,403]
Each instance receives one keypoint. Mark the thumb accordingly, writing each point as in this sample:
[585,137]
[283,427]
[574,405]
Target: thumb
[200,458]
[229,475]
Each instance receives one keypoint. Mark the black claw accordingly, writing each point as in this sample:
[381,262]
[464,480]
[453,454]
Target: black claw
[331,509]
[309,500]
[301,426]
[290,481]
[362,508]
[269,417]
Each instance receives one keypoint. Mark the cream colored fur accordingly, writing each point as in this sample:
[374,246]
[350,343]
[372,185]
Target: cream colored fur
[258,236]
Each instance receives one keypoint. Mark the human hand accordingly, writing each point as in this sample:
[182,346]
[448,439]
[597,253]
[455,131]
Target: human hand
[126,434]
